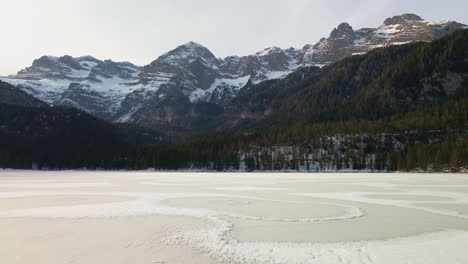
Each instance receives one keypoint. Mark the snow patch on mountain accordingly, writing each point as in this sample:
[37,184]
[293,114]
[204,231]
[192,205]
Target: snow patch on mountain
[234,85]
[237,83]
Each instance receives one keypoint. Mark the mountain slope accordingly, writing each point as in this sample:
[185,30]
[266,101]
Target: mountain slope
[12,95]
[431,74]
[55,138]
[384,81]
[65,138]
[36,135]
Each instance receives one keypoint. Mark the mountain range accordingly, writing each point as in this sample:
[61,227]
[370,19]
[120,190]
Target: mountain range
[385,99]
[189,88]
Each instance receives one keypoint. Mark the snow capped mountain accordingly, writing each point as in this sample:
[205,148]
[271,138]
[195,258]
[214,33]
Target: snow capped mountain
[209,79]
[190,74]
[190,65]
[86,83]
[345,41]
[178,61]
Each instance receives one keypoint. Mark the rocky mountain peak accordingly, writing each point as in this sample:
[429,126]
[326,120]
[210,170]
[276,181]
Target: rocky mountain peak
[270,50]
[405,18]
[344,27]
[70,62]
[185,54]
[330,49]
[45,61]
[88,58]
[193,45]
[50,62]
[190,49]
[344,30]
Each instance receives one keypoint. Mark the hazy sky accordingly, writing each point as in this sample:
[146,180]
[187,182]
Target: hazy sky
[140,30]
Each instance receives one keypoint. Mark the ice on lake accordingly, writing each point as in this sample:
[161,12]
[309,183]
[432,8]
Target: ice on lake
[156,217]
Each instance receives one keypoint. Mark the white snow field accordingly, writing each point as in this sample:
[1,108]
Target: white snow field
[156,217]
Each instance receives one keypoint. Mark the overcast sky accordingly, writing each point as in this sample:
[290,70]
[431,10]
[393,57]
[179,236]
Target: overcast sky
[140,30]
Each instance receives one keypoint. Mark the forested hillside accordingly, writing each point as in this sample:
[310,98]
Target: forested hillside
[11,95]
[433,138]
[34,135]
[383,82]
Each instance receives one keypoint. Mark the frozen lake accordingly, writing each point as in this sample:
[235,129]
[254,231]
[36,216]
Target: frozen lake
[146,217]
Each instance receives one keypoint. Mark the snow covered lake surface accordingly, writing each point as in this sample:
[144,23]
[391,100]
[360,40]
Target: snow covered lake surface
[156,217]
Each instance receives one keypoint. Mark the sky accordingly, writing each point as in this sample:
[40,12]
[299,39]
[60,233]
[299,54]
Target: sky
[141,30]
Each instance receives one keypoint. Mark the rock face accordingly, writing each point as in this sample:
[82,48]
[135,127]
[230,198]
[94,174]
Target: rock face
[332,49]
[405,18]
[189,84]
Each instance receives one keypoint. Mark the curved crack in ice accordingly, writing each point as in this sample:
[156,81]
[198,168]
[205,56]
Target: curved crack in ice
[458,198]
